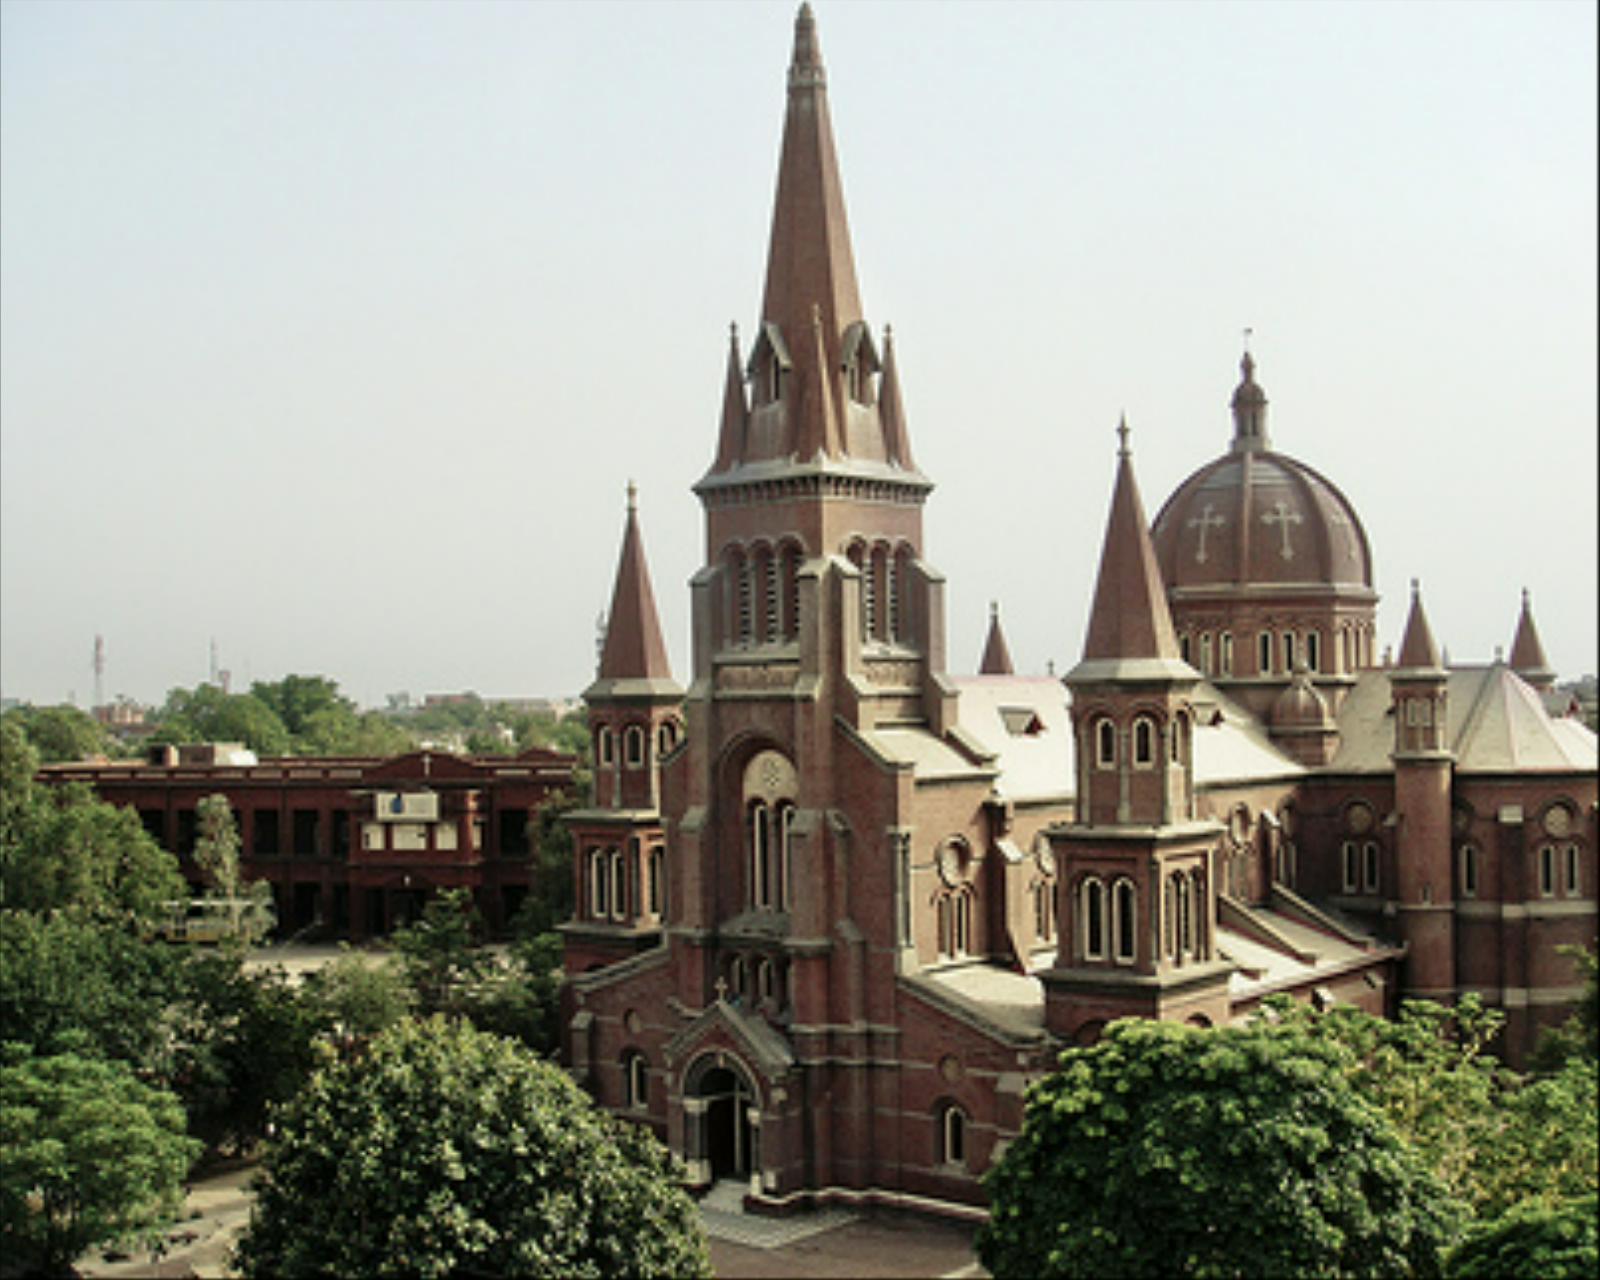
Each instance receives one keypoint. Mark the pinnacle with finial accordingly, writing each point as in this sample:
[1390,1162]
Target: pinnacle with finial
[1122,438]
[633,496]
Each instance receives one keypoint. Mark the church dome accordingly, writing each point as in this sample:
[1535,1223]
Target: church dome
[1258,518]
[1300,706]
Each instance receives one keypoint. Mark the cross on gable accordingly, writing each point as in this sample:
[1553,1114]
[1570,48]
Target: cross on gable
[721,985]
[1207,519]
[1282,515]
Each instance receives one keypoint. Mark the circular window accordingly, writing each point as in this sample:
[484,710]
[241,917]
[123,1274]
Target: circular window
[1358,817]
[1557,820]
[951,861]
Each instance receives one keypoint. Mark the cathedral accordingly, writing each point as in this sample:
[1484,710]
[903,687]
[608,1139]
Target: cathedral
[837,906]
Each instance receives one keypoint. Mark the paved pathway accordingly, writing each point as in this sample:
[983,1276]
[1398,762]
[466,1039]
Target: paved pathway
[828,1243]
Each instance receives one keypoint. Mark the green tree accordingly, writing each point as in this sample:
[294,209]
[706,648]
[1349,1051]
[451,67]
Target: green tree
[1579,1035]
[1166,1150]
[442,954]
[62,848]
[357,996]
[446,1151]
[1540,1239]
[206,714]
[92,1155]
[62,733]
[216,853]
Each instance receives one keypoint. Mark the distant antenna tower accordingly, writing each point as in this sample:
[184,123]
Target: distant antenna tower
[214,671]
[99,671]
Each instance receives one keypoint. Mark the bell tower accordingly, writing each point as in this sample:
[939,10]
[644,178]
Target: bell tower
[1137,908]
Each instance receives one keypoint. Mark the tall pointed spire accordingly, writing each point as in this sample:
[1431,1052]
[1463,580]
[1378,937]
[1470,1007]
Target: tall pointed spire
[1129,622]
[891,408]
[809,261]
[996,653]
[634,649]
[1418,651]
[1527,651]
[735,410]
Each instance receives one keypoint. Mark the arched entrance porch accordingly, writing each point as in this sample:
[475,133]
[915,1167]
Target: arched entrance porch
[721,1120]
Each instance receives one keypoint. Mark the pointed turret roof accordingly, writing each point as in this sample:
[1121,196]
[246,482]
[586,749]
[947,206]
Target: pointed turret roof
[1249,410]
[634,657]
[809,262]
[1418,652]
[1527,651]
[996,654]
[1130,632]
[812,359]
[735,411]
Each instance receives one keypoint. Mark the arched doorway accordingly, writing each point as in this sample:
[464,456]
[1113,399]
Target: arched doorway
[723,1111]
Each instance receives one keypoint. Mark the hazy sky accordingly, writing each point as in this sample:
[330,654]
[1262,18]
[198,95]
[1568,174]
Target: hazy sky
[335,331]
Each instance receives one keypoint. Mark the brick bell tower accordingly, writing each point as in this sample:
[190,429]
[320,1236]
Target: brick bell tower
[814,614]
[635,721]
[1423,773]
[1137,907]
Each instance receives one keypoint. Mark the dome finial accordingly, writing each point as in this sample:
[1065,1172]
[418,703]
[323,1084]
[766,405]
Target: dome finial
[1249,405]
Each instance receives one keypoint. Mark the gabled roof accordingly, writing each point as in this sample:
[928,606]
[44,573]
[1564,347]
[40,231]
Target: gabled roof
[1497,725]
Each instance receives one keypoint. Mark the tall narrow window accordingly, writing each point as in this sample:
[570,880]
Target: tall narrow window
[1573,876]
[1144,742]
[1183,647]
[1313,651]
[771,596]
[1369,864]
[1288,651]
[1183,890]
[1264,653]
[963,921]
[1044,915]
[1350,881]
[952,1135]
[1205,652]
[760,861]
[1197,903]
[1105,744]
[619,895]
[599,882]
[1547,870]
[791,590]
[633,746]
[658,880]
[1123,915]
[1469,871]
[1093,919]
[605,747]
[638,1081]
[1226,661]
[785,822]
[905,628]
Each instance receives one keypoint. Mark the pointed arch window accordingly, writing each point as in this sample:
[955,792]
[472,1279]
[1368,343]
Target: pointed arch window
[1105,744]
[633,746]
[952,1135]
[1144,742]
[1124,917]
[605,747]
[1092,917]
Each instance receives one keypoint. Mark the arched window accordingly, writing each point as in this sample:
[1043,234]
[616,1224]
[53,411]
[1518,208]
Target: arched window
[1313,651]
[1197,907]
[1288,651]
[1092,918]
[1469,871]
[1264,653]
[1124,914]
[1547,870]
[1180,731]
[1350,881]
[666,736]
[619,893]
[738,978]
[952,1135]
[1226,646]
[633,746]
[636,1073]
[1044,910]
[658,880]
[1574,876]
[771,587]
[903,627]
[791,590]
[760,824]
[1369,866]
[873,595]
[1205,652]
[605,747]
[1144,742]
[740,604]
[785,826]
[945,913]
[599,884]
[1182,893]
[962,903]
[1105,744]
[1183,647]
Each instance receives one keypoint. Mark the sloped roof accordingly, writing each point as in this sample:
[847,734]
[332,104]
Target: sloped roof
[1032,766]
[1497,724]
[1230,745]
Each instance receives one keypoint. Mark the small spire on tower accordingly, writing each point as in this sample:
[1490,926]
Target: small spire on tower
[996,660]
[1527,650]
[1249,406]
[1417,648]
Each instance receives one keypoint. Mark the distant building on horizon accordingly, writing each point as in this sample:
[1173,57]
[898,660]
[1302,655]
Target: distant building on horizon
[836,906]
